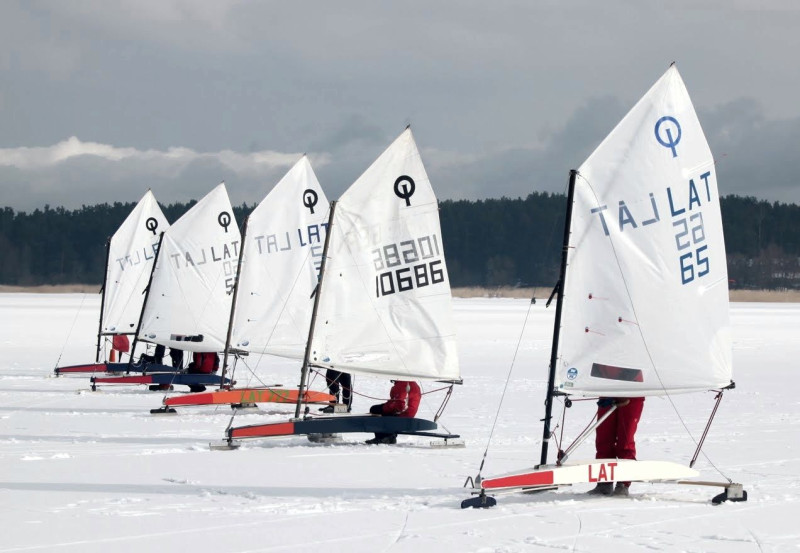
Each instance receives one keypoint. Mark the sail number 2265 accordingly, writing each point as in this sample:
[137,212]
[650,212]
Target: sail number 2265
[690,238]
[407,265]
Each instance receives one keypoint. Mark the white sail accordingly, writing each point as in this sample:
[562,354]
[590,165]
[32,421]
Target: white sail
[190,296]
[385,306]
[130,259]
[646,293]
[280,265]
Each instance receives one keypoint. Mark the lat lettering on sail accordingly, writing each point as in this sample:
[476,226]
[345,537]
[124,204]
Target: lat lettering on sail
[285,241]
[135,258]
[626,217]
[690,232]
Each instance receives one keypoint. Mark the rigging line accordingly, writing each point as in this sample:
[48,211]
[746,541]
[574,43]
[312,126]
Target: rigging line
[250,373]
[69,334]
[437,390]
[644,340]
[505,388]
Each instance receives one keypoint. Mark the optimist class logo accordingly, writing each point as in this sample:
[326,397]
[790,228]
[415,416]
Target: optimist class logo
[310,199]
[224,220]
[665,138]
[151,224]
[407,189]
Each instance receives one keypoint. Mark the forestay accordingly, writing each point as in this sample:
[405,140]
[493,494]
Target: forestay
[282,254]
[385,306]
[646,292]
[190,295]
[131,251]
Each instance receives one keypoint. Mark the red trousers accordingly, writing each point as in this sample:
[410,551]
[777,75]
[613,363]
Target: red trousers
[614,437]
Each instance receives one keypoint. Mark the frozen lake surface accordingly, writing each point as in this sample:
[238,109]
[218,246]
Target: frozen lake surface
[90,471]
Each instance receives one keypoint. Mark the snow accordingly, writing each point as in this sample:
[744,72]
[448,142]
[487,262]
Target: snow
[90,471]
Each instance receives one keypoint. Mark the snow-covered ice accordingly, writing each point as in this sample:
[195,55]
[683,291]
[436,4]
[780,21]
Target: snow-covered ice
[84,471]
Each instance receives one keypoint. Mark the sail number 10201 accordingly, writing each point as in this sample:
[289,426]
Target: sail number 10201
[407,265]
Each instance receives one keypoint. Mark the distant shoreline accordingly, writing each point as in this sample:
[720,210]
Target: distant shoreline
[777,296]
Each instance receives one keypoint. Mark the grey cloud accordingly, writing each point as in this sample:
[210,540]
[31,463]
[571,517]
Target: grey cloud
[503,97]
[755,156]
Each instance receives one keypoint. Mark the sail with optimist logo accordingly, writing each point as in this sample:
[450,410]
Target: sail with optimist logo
[386,306]
[129,261]
[131,251]
[282,254]
[646,291]
[190,293]
[643,293]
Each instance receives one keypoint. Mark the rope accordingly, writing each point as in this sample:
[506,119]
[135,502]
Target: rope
[505,389]
[645,342]
[69,334]
[548,245]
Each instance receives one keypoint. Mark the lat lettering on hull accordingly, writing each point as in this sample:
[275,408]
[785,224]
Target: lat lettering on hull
[604,474]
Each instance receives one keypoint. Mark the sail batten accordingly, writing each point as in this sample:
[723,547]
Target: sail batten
[646,291]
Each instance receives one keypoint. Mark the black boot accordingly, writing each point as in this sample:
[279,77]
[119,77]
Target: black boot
[603,488]
[383,439]
[621,490]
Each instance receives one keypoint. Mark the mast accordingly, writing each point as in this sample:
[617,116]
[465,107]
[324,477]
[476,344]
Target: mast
[233,303]
[551,379]
[146,295]
[102,302]
[317,294]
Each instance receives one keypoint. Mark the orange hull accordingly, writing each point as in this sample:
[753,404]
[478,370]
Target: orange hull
[248,395]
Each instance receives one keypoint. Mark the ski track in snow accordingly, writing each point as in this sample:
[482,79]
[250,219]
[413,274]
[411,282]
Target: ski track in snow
[94,471]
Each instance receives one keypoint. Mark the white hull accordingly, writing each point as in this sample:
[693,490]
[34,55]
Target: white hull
[589,472]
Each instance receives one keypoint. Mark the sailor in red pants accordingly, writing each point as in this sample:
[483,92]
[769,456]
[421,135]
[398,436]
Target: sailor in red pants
[403,401]
[202,363]
[614,438]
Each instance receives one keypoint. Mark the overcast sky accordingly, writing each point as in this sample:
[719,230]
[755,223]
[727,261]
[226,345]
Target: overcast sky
[100,100]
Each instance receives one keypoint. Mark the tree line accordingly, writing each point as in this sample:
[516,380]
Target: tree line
[494,242]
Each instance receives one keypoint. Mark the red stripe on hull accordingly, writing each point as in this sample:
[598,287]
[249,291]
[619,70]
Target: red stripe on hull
[93,368]
[263,430]
[543,478]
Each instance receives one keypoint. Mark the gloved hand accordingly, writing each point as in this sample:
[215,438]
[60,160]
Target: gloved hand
[605,402]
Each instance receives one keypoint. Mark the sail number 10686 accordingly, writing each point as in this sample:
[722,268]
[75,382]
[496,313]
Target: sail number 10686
[408,265]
